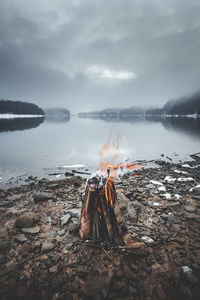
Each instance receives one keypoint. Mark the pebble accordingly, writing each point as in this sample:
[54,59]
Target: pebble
[61,232]
[147,240]
[190,208]
[40,197]
[31,230]
[47,246]
[21,237]
[26,220]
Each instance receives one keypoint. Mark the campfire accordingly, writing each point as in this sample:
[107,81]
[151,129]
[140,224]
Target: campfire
[101,218]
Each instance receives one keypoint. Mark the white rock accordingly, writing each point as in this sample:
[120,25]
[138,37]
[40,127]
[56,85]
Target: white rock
[180,172]
[162,189]
[195,188]
[167,196]
[155,182]
[156,204]
[169,179]
[186,166]
[177,197]
[186,269]
[185,179]
[147,240]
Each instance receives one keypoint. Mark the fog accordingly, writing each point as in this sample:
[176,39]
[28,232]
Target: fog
[86,55]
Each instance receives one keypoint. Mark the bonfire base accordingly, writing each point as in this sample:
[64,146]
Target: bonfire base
[101,218]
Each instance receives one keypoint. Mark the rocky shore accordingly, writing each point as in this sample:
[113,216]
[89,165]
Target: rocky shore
[42,256]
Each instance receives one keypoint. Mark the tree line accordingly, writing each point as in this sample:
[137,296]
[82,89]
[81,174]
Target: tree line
[19,107]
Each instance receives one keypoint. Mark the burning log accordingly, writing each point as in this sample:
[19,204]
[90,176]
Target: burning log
[101,218]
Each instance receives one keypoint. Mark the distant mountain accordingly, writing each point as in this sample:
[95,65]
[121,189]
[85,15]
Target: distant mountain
[182,107]
[19,107]
[185,106]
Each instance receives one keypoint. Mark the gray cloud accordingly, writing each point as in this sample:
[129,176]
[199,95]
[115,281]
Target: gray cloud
[46,48]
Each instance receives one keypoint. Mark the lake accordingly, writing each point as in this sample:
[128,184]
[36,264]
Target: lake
[39,148]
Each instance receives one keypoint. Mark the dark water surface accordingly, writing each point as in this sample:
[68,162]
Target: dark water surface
[78,141]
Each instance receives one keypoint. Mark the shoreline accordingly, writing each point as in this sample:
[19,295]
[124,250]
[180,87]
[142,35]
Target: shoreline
[42,256]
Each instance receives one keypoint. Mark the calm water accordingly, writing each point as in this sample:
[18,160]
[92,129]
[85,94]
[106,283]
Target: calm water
[78,141]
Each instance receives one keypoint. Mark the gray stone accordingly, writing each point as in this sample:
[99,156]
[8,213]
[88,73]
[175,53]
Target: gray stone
[31,230]
[40,197]
[75,221]
[61,232]
[164,217]
[68,246]
[196,197]
[189,216]
[74,212]
[26,220]
[64,219]
[190,208]
[47,246]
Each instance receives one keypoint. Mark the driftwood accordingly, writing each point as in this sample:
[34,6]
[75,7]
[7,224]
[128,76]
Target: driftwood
[101,218]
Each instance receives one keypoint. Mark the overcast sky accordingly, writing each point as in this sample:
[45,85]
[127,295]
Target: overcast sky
[92,54]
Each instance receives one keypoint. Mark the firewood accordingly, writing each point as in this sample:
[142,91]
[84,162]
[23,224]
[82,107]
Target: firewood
[101,218]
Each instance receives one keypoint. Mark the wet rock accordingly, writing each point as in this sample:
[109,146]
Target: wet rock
[47,246]
[31,230]
[26,220]
[67,174]
[40,197]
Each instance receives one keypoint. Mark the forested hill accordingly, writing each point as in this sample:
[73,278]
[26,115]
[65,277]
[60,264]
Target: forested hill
[184,106]
[19,107]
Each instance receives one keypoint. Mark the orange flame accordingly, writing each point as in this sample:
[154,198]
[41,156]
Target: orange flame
[109,165]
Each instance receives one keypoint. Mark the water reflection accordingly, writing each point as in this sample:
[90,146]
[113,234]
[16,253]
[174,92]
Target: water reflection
[181,124]
[19,123]
[185,125]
